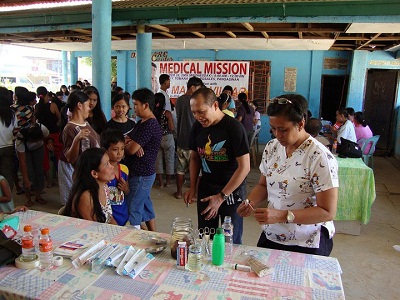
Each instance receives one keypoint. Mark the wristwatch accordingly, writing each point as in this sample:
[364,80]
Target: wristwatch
[224,196]
[289,217]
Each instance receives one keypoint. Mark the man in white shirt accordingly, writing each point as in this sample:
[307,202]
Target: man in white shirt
[165,84]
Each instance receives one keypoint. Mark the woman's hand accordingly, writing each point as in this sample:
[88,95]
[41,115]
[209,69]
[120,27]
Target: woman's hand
[270,216]
[245,209]
[83,134]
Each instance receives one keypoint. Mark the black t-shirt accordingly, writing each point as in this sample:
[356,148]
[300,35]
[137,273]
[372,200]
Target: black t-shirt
[219,146]
[125,128]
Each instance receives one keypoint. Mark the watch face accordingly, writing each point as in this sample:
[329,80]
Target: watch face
[290,216]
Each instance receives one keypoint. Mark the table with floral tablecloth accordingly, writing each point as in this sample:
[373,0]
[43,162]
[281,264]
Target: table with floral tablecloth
[293,275]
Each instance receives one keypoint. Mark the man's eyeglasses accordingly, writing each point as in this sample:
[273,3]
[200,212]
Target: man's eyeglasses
[281,101]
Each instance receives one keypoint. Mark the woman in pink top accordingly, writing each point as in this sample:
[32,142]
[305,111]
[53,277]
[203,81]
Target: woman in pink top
[362,129]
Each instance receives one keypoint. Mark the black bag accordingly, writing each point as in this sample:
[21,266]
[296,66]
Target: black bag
[9,250]
[349,149]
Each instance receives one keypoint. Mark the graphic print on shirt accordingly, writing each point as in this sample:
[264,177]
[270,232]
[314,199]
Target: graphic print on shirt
[212,153]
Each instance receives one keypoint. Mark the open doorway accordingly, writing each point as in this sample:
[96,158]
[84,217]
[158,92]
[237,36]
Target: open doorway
[333,95]
[379,104]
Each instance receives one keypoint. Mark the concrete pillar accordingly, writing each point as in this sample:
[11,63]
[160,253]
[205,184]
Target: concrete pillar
[143,59]
[101,49]
[73,67]
[122,61]
[64,67]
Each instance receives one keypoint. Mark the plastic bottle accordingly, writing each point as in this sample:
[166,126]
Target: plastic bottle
[45,249]
[28,247]
[194,258]
[218,248]
[334,147]
[85,144]
[228,232]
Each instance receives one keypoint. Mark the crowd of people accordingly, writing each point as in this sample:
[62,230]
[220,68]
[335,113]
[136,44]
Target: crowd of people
[106,169]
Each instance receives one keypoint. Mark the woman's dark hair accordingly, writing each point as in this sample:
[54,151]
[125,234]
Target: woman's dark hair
[224,97]
[118,97]
[41,92]
[88,161]
[6,113]
[159,101]
[294,111]
[242,97]
[66,90]
[144,96]
[22,94]
[98,121]
[359,117]
[73,99]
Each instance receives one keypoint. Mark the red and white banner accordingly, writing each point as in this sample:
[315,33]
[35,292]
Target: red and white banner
[215,75]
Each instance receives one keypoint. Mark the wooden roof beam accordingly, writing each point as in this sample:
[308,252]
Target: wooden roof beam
[248,26]
[371,40]
[159,27]
[167,34]
[200,35]
[231,34]
[265,34]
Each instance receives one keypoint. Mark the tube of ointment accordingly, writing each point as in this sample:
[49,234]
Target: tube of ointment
[115,257]
[101,256]
[120,269]
[135,266]
[243,268]
[81,259]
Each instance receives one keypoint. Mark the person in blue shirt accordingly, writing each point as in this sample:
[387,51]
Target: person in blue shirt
[114,142]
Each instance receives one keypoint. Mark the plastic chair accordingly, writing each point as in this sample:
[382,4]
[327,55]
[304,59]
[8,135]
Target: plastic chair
[254,146]
[369,155]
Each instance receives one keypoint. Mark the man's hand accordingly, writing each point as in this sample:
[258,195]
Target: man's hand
[214,202]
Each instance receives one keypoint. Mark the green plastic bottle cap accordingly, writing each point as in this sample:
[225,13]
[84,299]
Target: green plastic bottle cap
[220,231]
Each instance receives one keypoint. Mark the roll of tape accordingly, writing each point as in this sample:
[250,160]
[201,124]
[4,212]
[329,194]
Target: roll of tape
[21,264]
[58,261]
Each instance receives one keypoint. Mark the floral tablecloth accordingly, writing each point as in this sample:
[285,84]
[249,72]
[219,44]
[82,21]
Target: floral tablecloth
[356,190]
[293,275]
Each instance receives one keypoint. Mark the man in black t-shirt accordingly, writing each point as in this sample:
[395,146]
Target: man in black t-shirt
[219,146]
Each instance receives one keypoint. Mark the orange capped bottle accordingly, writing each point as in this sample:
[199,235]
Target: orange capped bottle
[45,249]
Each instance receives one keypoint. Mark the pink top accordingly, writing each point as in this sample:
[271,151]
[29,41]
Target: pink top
[363,133]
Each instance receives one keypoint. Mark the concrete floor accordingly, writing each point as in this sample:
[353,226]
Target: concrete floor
[371,267]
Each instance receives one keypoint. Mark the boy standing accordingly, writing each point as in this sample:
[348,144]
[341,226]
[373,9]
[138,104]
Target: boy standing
[114,142]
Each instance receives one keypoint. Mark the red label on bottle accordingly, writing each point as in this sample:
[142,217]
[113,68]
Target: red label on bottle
[27,243]
[45,246]
[181,256]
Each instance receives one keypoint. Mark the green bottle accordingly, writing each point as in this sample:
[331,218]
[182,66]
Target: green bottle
[218,247]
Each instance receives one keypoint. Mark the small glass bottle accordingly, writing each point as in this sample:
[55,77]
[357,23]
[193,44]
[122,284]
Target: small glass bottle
[45,249]
[28,247]
[194,258]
